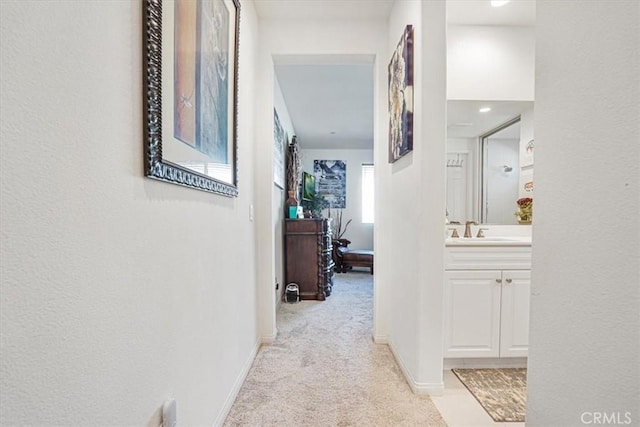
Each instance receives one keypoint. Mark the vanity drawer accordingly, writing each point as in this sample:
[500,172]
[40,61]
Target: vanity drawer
[487,258]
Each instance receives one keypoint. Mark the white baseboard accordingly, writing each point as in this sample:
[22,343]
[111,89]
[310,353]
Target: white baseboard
[485,362]
[270,339]
[432,389]
[231,398]
[381,339]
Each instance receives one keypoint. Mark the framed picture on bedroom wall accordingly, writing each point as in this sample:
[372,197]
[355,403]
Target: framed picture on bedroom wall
[331,181]
[401,97]
[280,141]
[191,85]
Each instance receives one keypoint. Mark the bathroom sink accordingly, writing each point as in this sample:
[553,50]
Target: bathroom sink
[496,239]
[489,241]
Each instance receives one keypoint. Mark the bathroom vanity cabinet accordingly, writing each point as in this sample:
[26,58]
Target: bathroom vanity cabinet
[486,296]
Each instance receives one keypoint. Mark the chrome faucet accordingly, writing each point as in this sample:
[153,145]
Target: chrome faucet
[467,228]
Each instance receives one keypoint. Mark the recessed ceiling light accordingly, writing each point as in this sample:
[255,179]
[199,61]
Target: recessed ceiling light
[498,3]
[485,109]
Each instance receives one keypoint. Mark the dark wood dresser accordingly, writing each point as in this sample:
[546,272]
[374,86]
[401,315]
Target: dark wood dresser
[308,256]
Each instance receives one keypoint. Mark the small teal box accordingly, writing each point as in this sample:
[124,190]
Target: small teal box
[293,212]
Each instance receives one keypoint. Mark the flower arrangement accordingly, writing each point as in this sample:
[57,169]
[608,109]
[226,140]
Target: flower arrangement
[525,210]
[294,165]
[338,230]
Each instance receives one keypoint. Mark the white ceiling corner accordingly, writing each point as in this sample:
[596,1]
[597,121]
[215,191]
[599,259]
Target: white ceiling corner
[331,105]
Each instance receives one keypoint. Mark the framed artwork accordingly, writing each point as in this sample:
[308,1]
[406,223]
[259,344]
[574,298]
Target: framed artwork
[308,186]
[279,142]
[527,153]
[526,182]
[191,87]
[331,181]
[401,97]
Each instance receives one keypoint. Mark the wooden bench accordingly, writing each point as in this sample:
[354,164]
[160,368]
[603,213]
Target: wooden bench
[345,259]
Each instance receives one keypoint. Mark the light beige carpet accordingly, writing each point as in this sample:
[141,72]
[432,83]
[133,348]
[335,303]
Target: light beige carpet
[325,370]
[501,392]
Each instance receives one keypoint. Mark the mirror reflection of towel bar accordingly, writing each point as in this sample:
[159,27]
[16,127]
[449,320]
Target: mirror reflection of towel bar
[457,163]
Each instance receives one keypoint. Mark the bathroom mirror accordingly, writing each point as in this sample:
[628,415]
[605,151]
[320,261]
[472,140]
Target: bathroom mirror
[489,159]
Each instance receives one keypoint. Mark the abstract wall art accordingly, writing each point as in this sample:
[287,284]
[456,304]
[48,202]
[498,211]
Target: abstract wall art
[191,83]
[401,97]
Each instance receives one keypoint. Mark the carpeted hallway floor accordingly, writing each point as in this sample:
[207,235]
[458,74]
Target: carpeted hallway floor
[325,370]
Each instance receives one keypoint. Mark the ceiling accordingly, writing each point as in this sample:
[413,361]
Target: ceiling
[331,105]
[323,9]
[480,12]
[330,98]
[465,121]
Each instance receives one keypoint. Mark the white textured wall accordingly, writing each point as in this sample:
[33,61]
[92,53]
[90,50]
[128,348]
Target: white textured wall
[360,235]
[117,291]
[462,145]
[526,159]
[310,37]
[397,227]
[413,202]
[279,194]
[490,62]
[585,331]
[432,151]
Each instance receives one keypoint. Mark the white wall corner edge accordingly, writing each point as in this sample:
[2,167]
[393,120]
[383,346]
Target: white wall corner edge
[231,398]
[431,389]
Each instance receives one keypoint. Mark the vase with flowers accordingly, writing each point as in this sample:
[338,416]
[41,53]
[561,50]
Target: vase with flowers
[525,210]
[294,175]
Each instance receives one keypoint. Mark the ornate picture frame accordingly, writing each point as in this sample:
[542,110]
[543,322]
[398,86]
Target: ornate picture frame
[401,97]
[191,93]
[280,141]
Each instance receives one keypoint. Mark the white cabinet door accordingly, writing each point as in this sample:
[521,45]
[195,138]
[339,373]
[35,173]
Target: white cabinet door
[472,313]
[514,329]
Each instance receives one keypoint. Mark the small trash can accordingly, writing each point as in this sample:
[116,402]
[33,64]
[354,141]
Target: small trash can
[292,293]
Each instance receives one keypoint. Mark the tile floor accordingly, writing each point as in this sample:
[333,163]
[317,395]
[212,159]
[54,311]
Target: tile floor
[459,408]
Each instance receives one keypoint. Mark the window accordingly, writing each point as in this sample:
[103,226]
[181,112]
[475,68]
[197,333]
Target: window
[367,194]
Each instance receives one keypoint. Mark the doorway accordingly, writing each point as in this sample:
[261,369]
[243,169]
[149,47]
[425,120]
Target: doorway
[327,102]
[500,173]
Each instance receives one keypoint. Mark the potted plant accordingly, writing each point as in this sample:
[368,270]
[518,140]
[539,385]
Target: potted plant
[315,205]
[525,210]
[338,230]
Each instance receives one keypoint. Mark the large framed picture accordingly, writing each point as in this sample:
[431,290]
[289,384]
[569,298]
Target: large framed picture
[401,97]
[280,140]
[331,181]
[191,86]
